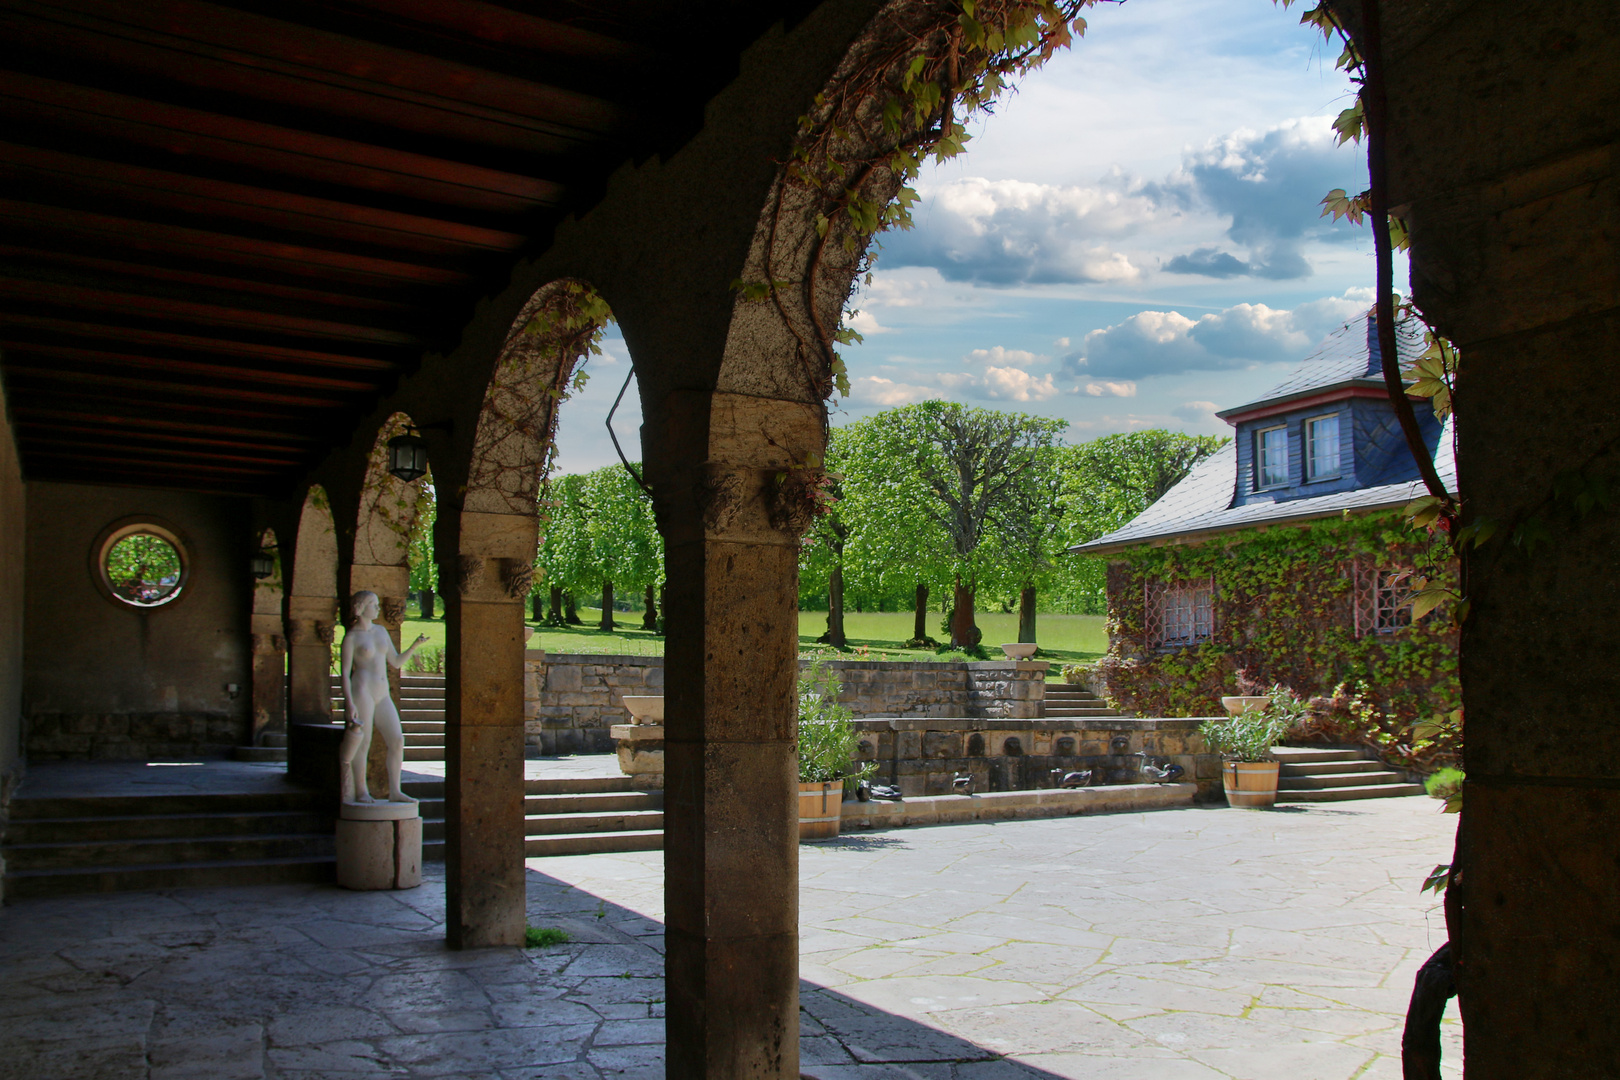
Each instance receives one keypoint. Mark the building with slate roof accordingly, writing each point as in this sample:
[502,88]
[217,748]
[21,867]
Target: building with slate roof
[1203,585]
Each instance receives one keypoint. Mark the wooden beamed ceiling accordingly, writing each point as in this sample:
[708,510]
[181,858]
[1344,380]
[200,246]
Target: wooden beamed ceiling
[227,228]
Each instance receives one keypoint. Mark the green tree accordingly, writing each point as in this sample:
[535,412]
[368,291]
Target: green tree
[419,546]
[565,559]
[1107,482]
[627,549]
[968,469]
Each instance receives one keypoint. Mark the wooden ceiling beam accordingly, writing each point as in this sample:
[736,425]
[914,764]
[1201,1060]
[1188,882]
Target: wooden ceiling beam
[192,133]
[214,347]
[93,301]
[299,259]
[16,352]
[40,377]
[33,429]
[75,177]
[192,467]
[107,415]
[273,459]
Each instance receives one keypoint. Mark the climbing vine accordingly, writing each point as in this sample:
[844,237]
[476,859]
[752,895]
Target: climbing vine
[1282,613]
[901,97]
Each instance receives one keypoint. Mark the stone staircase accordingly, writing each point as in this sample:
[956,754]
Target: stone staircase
[60,845]
[1308,774]
[272,747]
[421,714]
[1067,699]
[582,816]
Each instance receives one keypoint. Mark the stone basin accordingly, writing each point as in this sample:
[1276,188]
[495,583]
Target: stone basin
[641,752]
[1242,703]
[645,708]
[1019,650]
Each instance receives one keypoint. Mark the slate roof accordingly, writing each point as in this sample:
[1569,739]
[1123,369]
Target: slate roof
[1203,502]
[1349,356]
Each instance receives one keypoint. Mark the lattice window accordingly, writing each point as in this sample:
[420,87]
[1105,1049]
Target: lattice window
[1383,598]
[1179,613]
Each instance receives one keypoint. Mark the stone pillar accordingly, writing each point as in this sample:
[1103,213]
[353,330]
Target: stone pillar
[311,629]
[484,589]
[1514,255]
[730,796]
[269,680]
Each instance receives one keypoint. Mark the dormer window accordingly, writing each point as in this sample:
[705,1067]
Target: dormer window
[1271,457]
[1322,447]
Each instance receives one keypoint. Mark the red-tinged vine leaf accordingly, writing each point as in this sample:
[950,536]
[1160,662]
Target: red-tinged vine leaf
[1428,598]
[1439,877]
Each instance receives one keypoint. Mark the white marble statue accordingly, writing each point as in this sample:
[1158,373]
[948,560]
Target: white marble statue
[367,652]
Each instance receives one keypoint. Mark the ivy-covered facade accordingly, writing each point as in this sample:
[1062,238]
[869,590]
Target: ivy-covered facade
[1285,559]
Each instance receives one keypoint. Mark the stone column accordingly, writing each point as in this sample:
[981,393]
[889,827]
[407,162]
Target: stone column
[484,682]
[731,808]
[269,679]
[311,629]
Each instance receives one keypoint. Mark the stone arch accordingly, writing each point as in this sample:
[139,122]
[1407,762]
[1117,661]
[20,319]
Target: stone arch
[312,611]
[269,645]
[485,541]
[386,518]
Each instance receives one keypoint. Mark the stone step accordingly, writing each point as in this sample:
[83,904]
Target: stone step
[593,802]
[1337,780]
[1068,691]
[418,679]
[1323,768]
[562,824]
[422,727]
[273,738]
[104,806]
[62,882]
[171,851]
[425,738]
[164,826]
[573,785]
[1294,755]
[424,753]
[259,753]
[592,843]
[1055,712]
[1341,794]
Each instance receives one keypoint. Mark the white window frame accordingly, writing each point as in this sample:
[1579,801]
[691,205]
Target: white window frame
[1260,481]
[1310,449]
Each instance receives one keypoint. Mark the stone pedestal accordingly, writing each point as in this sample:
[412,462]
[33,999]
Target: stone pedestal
[641,753]
[379,846]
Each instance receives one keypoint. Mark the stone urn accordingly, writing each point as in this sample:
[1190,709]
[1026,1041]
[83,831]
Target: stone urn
[1019,650]
[1242,703]
[645,708]
[640,743]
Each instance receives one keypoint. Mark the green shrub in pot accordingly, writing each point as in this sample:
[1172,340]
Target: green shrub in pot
[827,738]
[1249,736]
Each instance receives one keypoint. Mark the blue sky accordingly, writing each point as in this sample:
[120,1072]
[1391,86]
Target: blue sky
[1131,241]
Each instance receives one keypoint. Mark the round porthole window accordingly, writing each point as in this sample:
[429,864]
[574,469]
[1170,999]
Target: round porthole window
[142,565]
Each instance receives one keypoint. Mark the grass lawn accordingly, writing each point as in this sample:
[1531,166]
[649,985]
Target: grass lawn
[1064,639]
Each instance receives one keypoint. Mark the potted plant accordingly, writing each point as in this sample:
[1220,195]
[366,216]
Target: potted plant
[1244,741]
[826,753]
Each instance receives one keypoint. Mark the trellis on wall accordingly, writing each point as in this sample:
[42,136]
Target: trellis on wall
[1381,596]
[1179,613]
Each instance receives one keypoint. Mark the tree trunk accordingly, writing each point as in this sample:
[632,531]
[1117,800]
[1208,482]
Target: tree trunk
[556,605]
[919,626]
[962,628]
[571,611]
[835,608]
[425,600]
[649,618]
[1026,614]
[537,607]
[607,607]
[1420,1041]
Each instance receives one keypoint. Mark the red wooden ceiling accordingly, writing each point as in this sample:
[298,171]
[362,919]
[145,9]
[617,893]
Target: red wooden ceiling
[227,228]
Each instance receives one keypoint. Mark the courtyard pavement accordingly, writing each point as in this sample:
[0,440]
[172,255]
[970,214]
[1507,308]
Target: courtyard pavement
[1178,944]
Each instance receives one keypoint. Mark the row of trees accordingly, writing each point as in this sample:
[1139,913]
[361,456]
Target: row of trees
[984,502]
[937,495]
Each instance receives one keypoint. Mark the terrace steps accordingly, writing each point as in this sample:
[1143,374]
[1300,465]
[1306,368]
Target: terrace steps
[1310,774]
[1066,700]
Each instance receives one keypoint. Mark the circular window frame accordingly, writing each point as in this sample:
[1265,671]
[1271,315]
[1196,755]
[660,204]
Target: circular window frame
[130,526]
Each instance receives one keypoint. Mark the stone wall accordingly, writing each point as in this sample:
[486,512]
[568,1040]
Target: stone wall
[922,756]
[571,699]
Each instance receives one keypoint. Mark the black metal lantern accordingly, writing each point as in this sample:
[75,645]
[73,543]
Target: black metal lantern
[263,563]
[407,456]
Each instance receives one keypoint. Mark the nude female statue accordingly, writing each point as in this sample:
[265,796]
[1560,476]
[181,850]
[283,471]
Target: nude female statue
[367,650]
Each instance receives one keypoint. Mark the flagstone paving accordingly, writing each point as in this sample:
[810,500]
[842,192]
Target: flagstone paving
[1178,944]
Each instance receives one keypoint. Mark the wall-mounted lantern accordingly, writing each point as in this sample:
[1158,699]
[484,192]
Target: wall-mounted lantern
[407,456]
[263,563]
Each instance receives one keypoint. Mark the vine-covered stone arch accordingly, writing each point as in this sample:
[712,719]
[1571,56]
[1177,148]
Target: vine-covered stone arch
[389,514]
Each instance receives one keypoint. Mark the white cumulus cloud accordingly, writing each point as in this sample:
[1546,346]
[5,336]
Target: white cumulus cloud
[887,393]
[1123,388]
